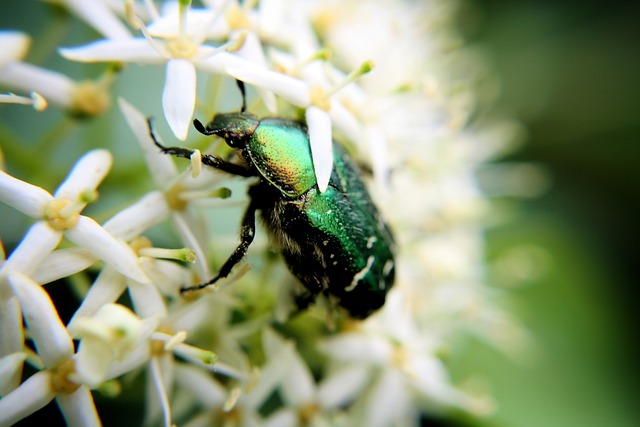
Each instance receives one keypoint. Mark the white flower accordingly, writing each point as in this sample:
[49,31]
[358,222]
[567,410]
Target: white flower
[402,358]
[167,42]
[60,215]
[87,98]
[99,14]
[55,350]
[108,335]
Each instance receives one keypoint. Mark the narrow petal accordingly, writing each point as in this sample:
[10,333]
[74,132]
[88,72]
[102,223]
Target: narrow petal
[63,263]
[99,16]
[253,51]
[137,218]
[55,87]
[106,289]
[32,395]
[388,401]
[282,418]
[293,90]
[11,333]
[27,198]
[319,124]
[162,168]
[86,175]
[130,50]
[15,46]
[191,241]
[341,387]
[35,247]
[201,385]
[179,96]
[78,408]
[89,234]
[357,347]
[45,327]
[298,386]
[11,371]
[147,301]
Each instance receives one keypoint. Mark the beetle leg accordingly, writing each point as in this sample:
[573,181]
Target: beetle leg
[207,159]
[247,233]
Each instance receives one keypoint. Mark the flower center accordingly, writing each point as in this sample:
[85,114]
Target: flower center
[237,17]
[60,382]
[181,47]
[61,214]
[90,98]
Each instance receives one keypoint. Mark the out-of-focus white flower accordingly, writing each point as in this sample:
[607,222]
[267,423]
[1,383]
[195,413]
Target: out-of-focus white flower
[99,14]
[402,357]
[88,98]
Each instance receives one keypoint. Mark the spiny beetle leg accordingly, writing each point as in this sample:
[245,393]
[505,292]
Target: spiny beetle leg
[247,233]
[207,159]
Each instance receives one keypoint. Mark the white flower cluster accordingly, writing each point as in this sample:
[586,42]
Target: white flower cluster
[388,77]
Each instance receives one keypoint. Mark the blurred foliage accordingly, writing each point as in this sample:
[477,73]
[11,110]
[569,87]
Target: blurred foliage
[570,71]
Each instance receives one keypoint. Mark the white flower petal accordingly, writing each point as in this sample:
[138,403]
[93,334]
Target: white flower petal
[191,241]
[89,234]
[221,61]
[63,263]
[319,124]
[35,247]
[200,385]
[253,51]
[146,299]
[86,175]
[11,371]
[92,362]
[179,96]
[388,401]
[198,21]
[282,418]
[15,46]
[339,388]
[343,119]
[32,395]
[99,16]
[137,218]
[27,198]
[162,168]
[11,333]
[293,90]
[358,347]
[78,408]
[106,289]
[49,334]
[55,87]
[130,50]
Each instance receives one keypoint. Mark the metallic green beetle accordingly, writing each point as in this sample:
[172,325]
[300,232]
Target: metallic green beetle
[334,242]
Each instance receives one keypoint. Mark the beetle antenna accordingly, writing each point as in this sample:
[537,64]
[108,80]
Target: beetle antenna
[240,84]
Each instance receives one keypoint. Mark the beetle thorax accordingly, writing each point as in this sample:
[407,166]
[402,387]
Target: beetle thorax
[280,151]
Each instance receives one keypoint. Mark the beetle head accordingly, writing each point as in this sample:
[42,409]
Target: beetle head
[235,128]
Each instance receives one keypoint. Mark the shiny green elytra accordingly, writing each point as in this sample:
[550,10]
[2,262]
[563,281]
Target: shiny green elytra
[334,242]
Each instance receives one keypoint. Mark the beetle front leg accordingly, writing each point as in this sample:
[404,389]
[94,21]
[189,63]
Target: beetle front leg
[247,233]
[207,159]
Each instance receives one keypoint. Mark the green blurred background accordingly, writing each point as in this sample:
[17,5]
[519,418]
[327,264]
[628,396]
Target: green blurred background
[571,73]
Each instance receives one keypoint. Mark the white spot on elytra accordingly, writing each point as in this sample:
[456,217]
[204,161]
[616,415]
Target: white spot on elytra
[371,241]
[360,274]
